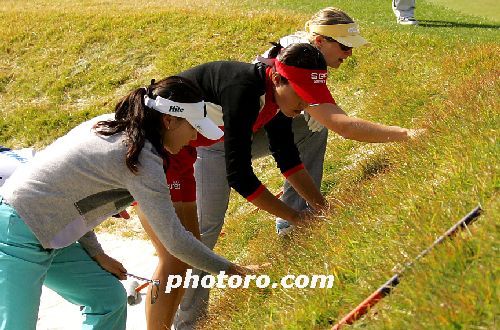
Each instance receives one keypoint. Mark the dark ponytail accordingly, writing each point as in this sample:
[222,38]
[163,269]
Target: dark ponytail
[302,55]
[140,123]
[275,50]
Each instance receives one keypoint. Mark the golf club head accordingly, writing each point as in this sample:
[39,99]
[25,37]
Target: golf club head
[133,297]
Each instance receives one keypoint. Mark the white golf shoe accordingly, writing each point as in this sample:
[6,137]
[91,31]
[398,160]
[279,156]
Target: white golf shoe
[283,228]
[407,21]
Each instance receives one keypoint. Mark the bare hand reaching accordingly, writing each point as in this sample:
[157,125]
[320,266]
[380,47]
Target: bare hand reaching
[415,133]
[111,265]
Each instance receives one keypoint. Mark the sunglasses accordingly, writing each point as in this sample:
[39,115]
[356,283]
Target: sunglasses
[342,46]
[155,286]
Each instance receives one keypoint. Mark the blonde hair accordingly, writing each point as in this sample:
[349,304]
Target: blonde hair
[328,16]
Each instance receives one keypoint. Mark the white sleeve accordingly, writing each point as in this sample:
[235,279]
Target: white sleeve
[149,188]
[90,244]
[297,37]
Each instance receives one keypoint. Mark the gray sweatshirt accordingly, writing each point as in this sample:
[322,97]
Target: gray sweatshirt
[81,179]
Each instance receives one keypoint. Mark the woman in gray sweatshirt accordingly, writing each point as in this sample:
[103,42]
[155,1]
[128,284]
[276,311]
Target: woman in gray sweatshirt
[91,173]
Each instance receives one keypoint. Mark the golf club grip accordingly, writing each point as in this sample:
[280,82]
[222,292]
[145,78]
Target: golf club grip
[387,287]
[366,304]
[142,286]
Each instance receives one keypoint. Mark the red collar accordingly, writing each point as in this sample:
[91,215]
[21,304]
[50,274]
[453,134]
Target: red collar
[270,108]
[267,113]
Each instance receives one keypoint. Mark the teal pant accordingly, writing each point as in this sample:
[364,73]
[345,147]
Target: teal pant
[25,266]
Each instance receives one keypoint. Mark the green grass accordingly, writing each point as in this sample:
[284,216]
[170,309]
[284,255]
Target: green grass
[62,62]
[485,8]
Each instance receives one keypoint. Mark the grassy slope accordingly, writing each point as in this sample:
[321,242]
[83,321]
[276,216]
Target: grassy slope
[390,201]
[485,8]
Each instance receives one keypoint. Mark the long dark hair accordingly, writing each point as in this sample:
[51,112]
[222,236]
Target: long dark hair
[141,123]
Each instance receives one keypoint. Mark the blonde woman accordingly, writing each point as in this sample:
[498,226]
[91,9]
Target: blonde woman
[335,34]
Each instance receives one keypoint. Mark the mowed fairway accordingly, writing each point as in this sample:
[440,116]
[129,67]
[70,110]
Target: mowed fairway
[489,9]
[62,62]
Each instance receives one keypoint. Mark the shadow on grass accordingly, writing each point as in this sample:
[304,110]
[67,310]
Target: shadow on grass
[373,167]
[426,23]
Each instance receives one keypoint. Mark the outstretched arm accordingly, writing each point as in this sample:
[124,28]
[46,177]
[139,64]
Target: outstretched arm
[352,128]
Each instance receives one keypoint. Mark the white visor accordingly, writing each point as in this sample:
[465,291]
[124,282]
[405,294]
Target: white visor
[194,113]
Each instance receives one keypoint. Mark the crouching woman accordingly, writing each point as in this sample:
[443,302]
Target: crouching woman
[91,173]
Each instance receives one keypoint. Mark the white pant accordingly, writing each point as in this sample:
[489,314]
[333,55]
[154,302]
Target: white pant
[403,8]
[212,197]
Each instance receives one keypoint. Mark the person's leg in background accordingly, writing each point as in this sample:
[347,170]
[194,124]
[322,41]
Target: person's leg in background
[312,148]
[180,178]
[80,280]
[404,11]
[212,198]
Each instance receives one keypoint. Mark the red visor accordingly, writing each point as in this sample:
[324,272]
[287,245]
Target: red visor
[309,84]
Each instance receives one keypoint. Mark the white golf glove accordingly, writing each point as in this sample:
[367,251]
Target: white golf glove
[313,124]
